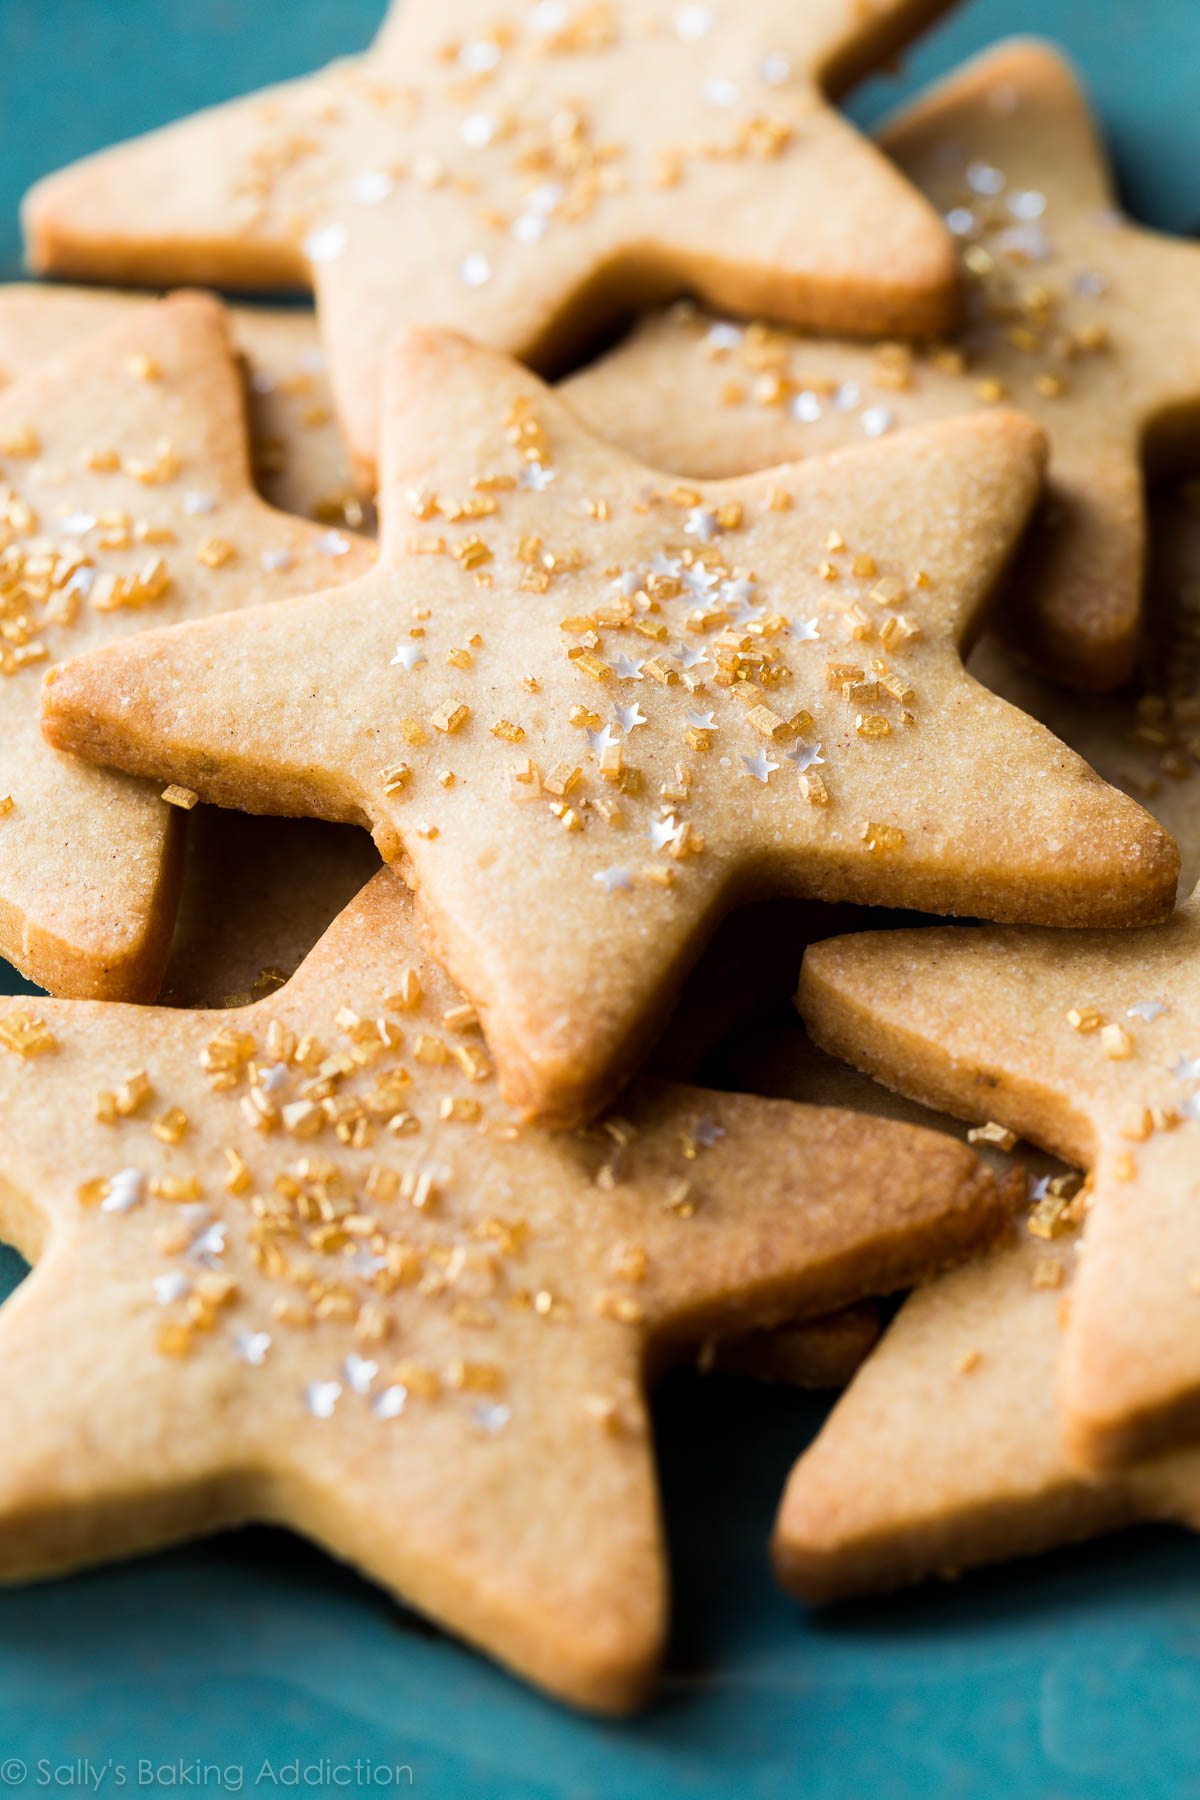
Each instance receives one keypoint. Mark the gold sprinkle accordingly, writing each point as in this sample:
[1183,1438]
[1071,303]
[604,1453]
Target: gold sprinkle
[999,1136]
[1116,1043]
[215,552]
[880,838]
[183,797]
[21,440]
[872,725]
[395,777]
[450,716]
[171,1127]
[174,1340]
[26,1035]
[1085,1018]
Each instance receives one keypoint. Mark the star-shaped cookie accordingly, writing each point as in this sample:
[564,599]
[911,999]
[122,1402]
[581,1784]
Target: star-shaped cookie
[1089,1045]
[523,172]
[125,498]
[300,461]
[297,1263]
[593,708]
[946,1452]
[1073,313]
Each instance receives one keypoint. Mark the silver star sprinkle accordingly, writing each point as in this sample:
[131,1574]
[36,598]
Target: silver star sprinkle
[614,879]
[408,657]
[126,1189]
[759,765]
[252,1347]
[360,1372]
[701,523]
[321,1397]
[805,756]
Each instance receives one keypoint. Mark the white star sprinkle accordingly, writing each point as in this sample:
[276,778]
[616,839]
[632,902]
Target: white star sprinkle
[195,503]
[477,130]
[76,524]
[1187,1068]
[126,1189]
[702,721]
[759,765]
[701,523]
[665,831]
[274,562]
[723,336]
[805,631]
[1027,203]
[391,1403]
[614,879]
[693,22]
[629,717]
[359,1372]
[599,741]
[172,1287]
[877,420]
[721,92]
[698,581]
[478,56]
[805,407]
[706,1133]
[805,756]
[982,178]
[690,656]
[371,188]
[252,1347]
[326,243]
[491,1415]
[475,271]
[333,543]
[746,614]
[1147,1011]
[408,657]
[321,1397]
[662,564]
[209,1244]
[625,669]
[775,69]
[535,476]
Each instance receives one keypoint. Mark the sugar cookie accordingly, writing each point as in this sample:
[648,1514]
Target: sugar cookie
[300,462]
[125,498]
[592,708]
[1074,314]
[522,175]
[1086,1044]
[297,1263]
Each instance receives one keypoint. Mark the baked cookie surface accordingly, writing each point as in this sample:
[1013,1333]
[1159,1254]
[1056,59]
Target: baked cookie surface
[592,708]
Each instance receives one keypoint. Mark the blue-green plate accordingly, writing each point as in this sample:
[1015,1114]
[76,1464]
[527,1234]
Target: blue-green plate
[252,1661]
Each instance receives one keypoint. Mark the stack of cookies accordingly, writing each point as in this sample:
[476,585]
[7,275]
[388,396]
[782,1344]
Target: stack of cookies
[377,1223]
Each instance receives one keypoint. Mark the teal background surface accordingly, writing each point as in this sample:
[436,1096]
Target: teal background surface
[1076,1677]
